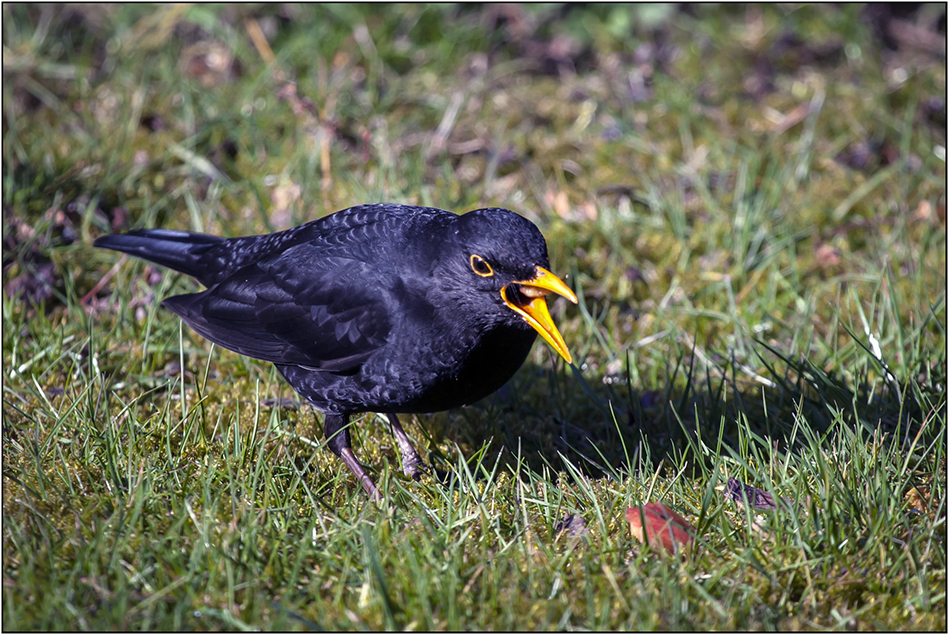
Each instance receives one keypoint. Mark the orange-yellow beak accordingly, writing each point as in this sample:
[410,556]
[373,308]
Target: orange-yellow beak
[526,298]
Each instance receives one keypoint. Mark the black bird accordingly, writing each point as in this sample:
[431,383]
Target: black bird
[376,308]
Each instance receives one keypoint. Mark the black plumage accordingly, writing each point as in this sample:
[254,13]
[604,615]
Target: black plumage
[377,308]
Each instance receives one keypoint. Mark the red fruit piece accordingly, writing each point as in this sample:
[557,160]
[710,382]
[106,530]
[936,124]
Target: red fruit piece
[662,527]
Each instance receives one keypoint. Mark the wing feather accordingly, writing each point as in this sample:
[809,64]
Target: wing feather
[295,308]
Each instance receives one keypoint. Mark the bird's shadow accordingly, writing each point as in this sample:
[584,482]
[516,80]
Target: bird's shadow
[546,416]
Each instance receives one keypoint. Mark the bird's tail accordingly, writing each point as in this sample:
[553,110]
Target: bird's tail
[178,250]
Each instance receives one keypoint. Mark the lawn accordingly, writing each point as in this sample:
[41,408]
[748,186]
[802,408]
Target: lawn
[750,203]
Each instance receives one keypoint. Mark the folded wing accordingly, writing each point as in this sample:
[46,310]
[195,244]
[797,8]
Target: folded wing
[295,308]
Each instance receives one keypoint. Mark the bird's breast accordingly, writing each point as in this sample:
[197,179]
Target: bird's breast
[470,371]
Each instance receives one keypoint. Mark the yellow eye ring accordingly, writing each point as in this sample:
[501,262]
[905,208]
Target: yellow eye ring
[481,267]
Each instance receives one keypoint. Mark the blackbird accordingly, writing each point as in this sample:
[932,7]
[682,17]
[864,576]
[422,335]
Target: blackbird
[376,308]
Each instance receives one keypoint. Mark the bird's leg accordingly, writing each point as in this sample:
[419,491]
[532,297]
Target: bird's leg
[412,465]
[337,438]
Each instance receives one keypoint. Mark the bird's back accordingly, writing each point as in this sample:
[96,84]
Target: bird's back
[318,295]
[352,232]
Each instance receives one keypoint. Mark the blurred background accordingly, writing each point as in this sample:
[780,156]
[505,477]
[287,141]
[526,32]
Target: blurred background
[270,115]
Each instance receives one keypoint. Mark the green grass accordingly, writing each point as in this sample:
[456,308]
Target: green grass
[757,239]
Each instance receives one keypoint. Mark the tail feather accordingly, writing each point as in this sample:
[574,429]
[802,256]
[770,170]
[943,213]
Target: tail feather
[178,250]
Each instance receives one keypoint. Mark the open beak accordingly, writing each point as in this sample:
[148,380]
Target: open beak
[526,298]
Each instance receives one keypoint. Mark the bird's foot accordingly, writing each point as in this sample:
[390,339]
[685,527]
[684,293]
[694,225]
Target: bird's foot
[346,454]
[412,465]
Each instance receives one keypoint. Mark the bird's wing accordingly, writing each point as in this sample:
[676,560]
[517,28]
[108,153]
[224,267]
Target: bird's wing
[297,307]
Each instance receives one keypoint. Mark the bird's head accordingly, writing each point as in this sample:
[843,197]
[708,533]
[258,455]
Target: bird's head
[502,257]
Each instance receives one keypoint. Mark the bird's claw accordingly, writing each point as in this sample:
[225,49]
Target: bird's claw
[413,467]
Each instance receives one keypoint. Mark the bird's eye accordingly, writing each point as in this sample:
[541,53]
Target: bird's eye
[480,266]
